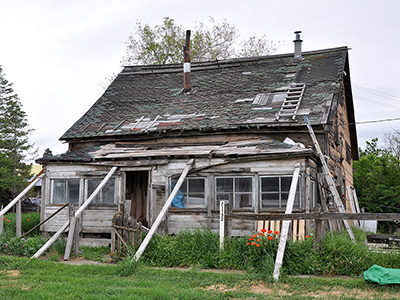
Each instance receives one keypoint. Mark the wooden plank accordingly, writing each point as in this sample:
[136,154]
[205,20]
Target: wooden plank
[71,235]
[19,197]
[328,177]
[317,216]
[18,213]
[294,229]
[286,223]
[302,229]
[352,205]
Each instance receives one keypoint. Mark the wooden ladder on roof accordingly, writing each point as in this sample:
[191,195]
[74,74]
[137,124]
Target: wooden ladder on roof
[291,104]
[329,179]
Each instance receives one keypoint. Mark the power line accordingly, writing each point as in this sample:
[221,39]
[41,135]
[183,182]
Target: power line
[381,94]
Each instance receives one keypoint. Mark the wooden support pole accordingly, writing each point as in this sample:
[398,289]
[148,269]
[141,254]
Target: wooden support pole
[18,219]
[1,223]
[19,197]
[163,211]
[329,179]
[77,213]
[286,223]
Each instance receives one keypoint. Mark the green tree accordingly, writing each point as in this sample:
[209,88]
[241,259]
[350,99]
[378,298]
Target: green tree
[162,44]
[14,143]
[47,152]
[376,179]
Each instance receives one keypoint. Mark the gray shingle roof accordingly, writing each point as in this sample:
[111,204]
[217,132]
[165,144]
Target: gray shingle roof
[225,95]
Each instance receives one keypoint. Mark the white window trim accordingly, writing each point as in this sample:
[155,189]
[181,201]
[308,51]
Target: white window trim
[233,177]
[205,191]
[299,187]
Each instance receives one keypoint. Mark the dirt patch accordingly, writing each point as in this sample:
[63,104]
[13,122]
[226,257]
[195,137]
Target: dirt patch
[12,273]
[77,261]
[220,287]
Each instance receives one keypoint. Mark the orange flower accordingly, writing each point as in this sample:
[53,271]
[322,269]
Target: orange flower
[270,238]
[258,245]
[269,231]
[254,236]
[263,230]
[4,218]
[248,243]
[276,232]
[307,236]
[28,219]
[253,243]
[258,240]
[251,239]
[261,233]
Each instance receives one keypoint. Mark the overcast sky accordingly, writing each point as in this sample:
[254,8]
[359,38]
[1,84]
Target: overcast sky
[58,53]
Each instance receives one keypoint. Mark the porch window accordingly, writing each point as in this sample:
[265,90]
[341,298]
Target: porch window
[106,196]
[65,190]
[275,191]
[237,190]
[191,194]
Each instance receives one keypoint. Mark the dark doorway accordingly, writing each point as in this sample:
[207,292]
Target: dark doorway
[136,191]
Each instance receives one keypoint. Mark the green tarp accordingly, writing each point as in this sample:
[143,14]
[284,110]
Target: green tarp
[382,275]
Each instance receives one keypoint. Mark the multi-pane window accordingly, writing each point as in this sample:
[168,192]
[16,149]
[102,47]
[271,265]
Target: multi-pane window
[106,196]
[236,190]
[275,191]
[65,190]
[191,193]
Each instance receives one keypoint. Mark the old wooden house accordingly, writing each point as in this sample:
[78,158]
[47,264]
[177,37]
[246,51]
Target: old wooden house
[241,120]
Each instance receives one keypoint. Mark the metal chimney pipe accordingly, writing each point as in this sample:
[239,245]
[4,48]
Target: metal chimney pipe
[187,84]
[297,45]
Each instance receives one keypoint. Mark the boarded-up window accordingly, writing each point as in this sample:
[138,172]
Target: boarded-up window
[237,190]
[191,194]
[65,190]
[275,191]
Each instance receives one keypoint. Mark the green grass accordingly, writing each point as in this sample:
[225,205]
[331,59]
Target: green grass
[21,278]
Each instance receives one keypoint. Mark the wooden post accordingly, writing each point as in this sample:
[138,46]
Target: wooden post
[1,223]
[286,223]
[318,234]
[163,211]
[76,235]
[71,234]
[18,220]
[222,223]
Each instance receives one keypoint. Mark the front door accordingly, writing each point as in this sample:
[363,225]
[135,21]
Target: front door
[136,190]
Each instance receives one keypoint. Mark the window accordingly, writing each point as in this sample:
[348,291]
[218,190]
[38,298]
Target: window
[106,196]
[191,194]
[65,190]
[236,190]
[275,191]
[273,99]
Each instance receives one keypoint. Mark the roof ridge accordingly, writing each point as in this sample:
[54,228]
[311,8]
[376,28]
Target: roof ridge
[230,62]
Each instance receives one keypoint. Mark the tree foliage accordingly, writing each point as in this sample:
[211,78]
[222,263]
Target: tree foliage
[162,44]
[376,179]
[392,142]
[14,143]
[47,152]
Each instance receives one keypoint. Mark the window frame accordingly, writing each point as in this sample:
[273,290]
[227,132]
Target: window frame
[232,200]
[186,194]
[299,192]
[67,190]
[101,204]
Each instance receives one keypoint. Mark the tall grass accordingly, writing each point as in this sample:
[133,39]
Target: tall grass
[10,244]
[338,255]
